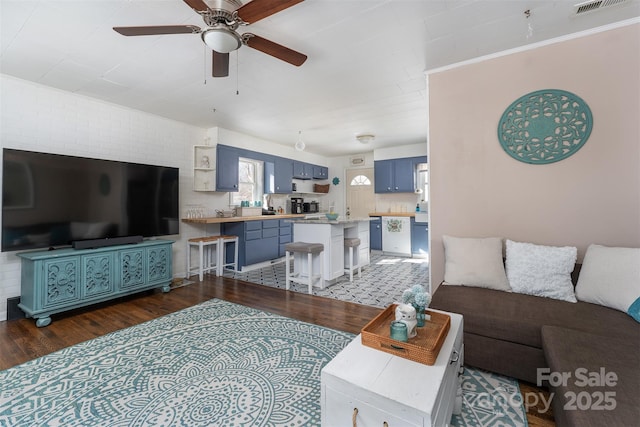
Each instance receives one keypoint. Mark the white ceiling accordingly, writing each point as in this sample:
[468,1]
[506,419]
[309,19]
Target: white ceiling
[365,72]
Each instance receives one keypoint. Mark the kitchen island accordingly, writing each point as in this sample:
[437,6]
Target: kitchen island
[331,233]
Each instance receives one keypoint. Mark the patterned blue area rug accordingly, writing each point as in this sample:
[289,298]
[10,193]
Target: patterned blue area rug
[489,400]
[214,364]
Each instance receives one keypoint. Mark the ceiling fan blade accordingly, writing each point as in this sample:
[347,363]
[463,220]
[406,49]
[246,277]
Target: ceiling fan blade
[256,10]
[158,30]
[197,5]
[220,64]
[274,49]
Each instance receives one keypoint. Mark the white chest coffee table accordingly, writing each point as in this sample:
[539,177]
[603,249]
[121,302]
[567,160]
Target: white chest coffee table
[377,387]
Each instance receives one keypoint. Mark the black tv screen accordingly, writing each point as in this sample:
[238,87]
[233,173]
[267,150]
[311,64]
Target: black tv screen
[51,200]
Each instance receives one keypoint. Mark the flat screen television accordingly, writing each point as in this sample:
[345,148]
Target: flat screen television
[52,200]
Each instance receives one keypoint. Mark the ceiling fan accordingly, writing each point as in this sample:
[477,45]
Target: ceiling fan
[222,18]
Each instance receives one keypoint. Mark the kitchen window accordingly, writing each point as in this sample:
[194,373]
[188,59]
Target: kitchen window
[250,182]
[360,180]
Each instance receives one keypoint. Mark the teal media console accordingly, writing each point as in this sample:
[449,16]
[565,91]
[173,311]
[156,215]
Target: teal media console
[63,279]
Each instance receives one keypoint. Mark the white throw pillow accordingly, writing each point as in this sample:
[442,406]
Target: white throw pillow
[474,262]
[610,277]
[544,271]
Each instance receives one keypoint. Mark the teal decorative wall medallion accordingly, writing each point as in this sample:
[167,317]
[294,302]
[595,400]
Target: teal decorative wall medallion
[545,126]
[336,181]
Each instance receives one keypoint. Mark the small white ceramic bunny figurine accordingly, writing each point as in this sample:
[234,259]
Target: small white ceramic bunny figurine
[406,314]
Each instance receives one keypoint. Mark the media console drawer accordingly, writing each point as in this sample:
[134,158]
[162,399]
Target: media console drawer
[64,279]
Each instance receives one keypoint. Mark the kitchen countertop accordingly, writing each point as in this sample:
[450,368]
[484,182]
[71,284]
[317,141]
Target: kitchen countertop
[405,214]
[328,221]
[218,220]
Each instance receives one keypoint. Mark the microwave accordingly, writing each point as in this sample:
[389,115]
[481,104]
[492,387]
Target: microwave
[310,207]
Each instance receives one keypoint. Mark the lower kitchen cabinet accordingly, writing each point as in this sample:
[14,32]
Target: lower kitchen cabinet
[375,233]
[258,241]
[286,236]
[419,237]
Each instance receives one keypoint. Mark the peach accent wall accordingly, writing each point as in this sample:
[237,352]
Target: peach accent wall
[477,190]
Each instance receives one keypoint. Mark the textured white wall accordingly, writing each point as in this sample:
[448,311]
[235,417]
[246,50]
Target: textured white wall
[37,118]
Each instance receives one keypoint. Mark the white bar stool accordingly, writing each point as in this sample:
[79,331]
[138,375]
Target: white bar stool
[222,261]
[311,249]
[352,243]
[207,247]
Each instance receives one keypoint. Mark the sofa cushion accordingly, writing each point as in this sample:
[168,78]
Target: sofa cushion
[610,277]
[544,271]
[519,318]
[581,357]
[474,262]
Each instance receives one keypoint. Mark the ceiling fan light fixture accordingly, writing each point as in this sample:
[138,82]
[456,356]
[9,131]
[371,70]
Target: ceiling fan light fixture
[365,139]
[221,39]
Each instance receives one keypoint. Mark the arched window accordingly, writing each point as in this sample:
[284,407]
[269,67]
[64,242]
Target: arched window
[360,180]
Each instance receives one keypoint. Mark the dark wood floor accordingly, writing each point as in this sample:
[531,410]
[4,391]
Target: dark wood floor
[21,340]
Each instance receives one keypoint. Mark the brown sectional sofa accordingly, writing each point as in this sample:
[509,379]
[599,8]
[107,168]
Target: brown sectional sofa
[514,335]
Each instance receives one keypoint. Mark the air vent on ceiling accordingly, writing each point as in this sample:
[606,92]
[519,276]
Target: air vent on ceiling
[590,6]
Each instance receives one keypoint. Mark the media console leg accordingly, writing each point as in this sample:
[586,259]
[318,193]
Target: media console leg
[41,322]
[166,288]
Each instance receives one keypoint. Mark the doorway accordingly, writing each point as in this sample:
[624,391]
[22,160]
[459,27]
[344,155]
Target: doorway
[360,197]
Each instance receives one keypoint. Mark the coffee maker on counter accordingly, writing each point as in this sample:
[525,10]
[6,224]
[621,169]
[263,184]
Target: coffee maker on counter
[296,205]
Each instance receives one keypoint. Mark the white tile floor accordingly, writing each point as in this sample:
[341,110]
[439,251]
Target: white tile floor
[381,284]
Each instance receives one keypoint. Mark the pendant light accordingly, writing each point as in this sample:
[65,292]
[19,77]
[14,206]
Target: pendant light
[300,145]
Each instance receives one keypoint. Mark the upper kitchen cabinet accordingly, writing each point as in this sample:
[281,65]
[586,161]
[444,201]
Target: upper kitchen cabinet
[320,172]
[283,175]
[227,168]
[278,175]
[302,170]
[396,175]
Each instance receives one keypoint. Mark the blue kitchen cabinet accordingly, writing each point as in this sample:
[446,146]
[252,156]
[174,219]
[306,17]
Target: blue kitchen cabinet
[375,233]
[285,236]
[278,174]
[320,172]
[396,175]
[282,175]
[383,176]
[302,170]
[404,176]
[227,168]
[65,279]
[419,237]
[258,241]
[262,246]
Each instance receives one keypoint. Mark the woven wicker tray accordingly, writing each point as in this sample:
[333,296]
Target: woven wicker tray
[321,188]
[422,348]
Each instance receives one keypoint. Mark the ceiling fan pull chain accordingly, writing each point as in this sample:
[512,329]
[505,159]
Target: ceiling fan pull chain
[204,65]
[237,73]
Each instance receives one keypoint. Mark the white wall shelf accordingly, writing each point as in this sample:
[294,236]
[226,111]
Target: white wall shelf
[204,171]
